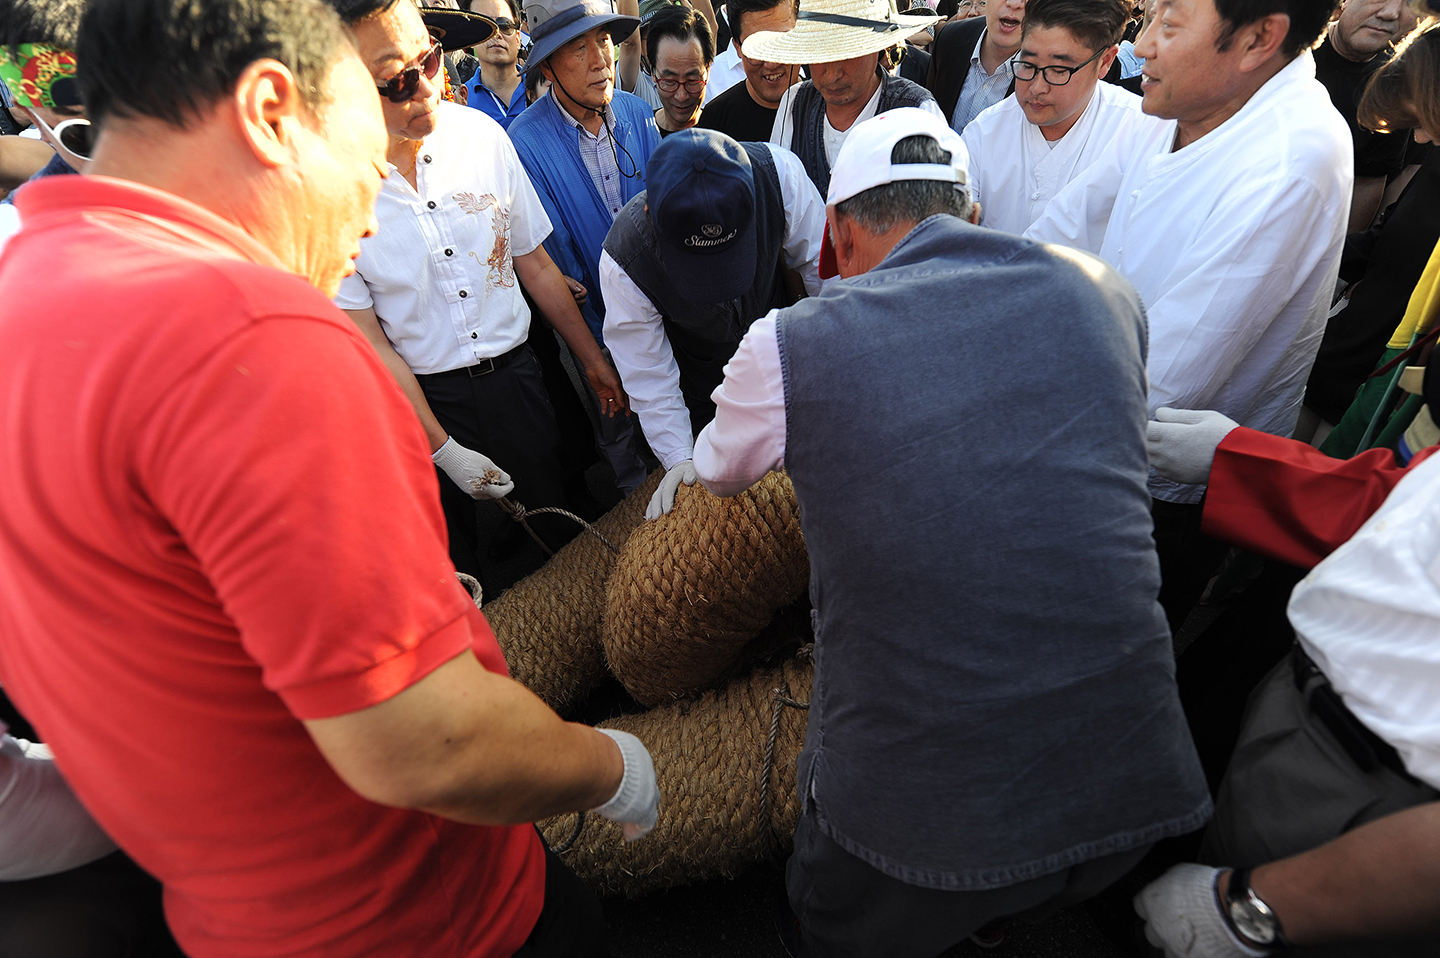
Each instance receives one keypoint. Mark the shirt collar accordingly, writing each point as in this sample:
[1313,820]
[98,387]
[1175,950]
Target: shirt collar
[72,195]
[604,127]
[975,56]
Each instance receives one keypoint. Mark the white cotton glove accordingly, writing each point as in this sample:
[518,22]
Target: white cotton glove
[636,803]
[664,499]
[1182,442]
[474,473]
[1182,916]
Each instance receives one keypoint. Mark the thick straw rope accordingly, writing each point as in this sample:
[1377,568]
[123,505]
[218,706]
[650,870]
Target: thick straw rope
[548,623]
[693,587]
[719,811]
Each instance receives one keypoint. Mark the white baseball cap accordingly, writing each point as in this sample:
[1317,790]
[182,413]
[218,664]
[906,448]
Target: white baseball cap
[864,160]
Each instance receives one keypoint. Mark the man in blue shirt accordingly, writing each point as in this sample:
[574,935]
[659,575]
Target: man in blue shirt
[497,89]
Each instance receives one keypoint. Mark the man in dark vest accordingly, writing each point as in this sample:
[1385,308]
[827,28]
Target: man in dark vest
[842,42]
[711,246]
[994,728]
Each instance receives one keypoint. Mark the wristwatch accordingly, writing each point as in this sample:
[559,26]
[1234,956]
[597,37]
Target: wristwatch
[1250,918]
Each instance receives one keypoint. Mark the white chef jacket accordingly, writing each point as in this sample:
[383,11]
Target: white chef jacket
[635,334]
[1015,171]
[440,271]
[782,132]
[1369,614]
[1233,243]
[725,72]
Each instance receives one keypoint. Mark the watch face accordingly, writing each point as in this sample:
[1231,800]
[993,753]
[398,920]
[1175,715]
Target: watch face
[1253,924]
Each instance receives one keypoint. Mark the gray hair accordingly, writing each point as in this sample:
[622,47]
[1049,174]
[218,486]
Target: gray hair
[879,208]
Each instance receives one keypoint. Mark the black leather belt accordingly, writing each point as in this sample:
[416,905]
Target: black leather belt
[483,368]
[1368,750]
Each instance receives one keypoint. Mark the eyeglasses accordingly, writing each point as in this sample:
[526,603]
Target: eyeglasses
[670,85]
[1055,74]
[402,86]
[506,27]
[75,136]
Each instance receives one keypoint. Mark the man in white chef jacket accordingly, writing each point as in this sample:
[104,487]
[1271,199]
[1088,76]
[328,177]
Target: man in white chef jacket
[1229,220]
[1027,147]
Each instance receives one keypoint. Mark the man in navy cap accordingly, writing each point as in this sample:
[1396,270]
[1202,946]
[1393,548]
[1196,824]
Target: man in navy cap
[585,146]
[689,265]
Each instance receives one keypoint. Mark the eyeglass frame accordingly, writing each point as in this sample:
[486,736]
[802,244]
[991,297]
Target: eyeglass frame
[702,80]
[1068,71]
[402,86]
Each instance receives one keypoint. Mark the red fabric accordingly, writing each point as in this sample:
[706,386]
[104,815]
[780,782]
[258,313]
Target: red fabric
[219,517]
[1290,501]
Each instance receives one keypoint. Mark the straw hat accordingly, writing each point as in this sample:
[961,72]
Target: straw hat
[830,30]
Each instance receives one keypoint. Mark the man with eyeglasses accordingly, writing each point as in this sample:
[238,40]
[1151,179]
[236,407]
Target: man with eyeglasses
[1061,117]
[437,291]
[690,263]
[497,89]
[1230,218]
[681,49]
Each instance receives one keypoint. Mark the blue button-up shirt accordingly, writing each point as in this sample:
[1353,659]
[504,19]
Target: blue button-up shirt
[481,98]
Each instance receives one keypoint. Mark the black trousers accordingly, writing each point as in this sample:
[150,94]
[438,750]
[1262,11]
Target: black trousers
[506,415]
[849,909]
[571,924]
[107,909]
[1188,557]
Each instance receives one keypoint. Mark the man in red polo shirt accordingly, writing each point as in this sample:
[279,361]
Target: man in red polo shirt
[228,606]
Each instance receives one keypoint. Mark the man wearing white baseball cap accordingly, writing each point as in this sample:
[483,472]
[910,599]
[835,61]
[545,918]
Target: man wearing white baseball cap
[994,729]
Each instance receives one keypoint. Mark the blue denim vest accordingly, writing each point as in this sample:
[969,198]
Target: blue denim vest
[994,689]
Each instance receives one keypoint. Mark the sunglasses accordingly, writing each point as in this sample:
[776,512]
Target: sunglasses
[75,136]
[506,27]
[402,86]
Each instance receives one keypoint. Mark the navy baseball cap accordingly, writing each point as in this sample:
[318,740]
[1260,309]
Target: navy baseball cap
[700,189]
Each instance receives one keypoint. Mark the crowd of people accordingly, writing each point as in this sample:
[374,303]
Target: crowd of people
[1092,335]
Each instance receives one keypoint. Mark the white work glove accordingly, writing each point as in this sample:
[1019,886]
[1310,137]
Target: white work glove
[1182,442]
[1182,916]
[664,499]
[474,473]
[636,803]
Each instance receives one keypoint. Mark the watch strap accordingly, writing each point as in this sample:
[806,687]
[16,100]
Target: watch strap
[1239,894]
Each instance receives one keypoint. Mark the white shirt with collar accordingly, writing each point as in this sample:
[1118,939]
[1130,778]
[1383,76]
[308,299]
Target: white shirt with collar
[440,271]
[782,133]
[981,90]
[1015,171]
[635,334]
[1369,614]
[1233,243]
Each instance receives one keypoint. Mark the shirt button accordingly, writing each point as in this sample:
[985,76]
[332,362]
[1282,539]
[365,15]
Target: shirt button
[426,158]
[463,294]
[449,252]
[474,335]
[431,204]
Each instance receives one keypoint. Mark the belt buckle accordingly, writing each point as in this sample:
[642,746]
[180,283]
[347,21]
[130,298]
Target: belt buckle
[483,368]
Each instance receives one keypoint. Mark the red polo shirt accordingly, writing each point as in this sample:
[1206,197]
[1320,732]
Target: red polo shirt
[219,518]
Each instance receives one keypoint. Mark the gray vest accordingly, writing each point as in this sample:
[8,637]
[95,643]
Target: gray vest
[994,691]
[807,112]
[703,336]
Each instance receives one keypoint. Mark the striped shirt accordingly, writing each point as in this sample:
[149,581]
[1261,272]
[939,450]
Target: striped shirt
[981,90]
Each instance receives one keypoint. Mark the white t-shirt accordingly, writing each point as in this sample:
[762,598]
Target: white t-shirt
[440,270]
[783,130]
[43,827]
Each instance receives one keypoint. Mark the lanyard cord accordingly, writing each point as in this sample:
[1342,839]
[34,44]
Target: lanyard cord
[609,133]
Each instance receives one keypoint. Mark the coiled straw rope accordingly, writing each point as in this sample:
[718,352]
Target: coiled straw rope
[693,587]
[548,623]
[726,769]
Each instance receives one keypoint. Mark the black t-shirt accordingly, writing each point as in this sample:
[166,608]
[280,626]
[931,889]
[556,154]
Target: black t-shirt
[736,114]
[1376,154]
